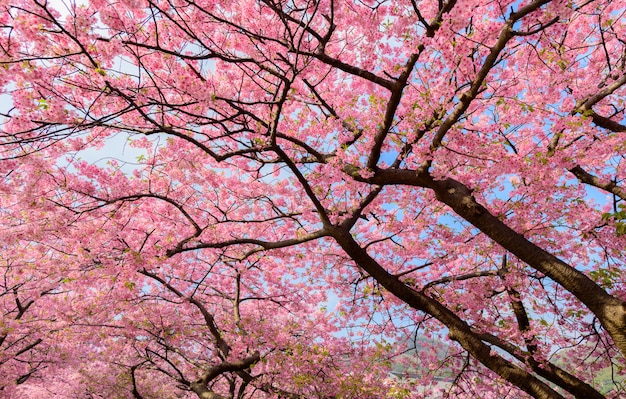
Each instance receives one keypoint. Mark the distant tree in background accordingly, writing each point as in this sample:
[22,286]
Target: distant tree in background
[314,182]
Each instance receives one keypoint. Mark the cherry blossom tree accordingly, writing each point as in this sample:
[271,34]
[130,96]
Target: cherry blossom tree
[314,182]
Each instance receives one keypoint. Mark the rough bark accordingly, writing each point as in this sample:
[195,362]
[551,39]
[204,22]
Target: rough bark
[610,311]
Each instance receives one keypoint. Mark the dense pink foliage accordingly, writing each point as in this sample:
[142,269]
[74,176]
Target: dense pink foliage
[299,187]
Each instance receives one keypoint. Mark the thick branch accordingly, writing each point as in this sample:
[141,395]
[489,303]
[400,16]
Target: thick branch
[263,245]
[586,107]
[610,311]
[200,385]
[588,178]
[582,107]
[352,70]
[448,279]
[547,370]
[459,330]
